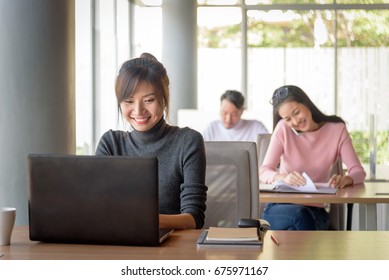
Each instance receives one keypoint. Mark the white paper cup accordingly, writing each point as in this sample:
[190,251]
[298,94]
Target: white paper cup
[7,221]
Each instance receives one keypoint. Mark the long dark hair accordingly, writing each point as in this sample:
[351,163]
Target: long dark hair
[293,93]
[136,71]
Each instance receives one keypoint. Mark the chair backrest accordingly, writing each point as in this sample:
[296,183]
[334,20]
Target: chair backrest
[337,168]
[233,184]
[263,141]
[337,211]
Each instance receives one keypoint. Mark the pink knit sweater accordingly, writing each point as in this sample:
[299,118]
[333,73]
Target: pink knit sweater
[312,152]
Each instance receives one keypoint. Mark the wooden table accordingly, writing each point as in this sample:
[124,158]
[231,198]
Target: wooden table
[367,195]
[295,245]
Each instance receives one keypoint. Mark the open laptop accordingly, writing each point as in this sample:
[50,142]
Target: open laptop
[94,200]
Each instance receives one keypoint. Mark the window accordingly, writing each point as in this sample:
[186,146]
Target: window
[102,44]
[219,54]
[339,54]
[340,57]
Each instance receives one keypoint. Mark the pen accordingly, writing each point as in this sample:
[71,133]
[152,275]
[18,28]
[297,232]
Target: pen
[275,240]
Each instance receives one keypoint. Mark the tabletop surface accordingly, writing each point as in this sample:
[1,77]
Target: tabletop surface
[298,245]
[369,192]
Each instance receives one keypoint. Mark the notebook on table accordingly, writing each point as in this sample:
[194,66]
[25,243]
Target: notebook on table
[310,187]
[94,200]
[223,236]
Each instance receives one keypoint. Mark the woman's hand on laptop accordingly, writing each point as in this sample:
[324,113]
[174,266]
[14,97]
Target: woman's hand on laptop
[177,221]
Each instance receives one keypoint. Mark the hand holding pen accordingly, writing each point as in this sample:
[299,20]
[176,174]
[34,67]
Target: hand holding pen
[339,181]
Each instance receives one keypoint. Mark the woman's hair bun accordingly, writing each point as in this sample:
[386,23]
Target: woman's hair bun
[148,56]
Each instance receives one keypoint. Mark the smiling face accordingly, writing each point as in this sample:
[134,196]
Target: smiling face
[142,110]
[229,114]
[297,116]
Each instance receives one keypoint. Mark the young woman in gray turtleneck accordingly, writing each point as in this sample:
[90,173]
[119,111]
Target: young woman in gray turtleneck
[142,91]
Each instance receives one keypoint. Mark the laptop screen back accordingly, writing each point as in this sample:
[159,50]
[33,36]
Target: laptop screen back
[93,199]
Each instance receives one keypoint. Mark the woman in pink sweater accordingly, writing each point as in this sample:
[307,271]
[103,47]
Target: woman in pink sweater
[305,140]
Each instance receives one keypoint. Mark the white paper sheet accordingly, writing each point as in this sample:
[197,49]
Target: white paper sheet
[308,187]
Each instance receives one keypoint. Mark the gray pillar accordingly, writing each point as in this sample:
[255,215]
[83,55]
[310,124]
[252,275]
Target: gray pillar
[179,53]
[37,82]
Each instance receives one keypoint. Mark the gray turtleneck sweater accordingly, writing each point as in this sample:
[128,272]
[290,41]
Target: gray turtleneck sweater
[181,158]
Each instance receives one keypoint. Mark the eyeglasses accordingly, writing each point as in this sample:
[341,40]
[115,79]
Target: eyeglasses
[279,95]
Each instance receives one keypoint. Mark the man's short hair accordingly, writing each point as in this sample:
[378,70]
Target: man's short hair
[235,97]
